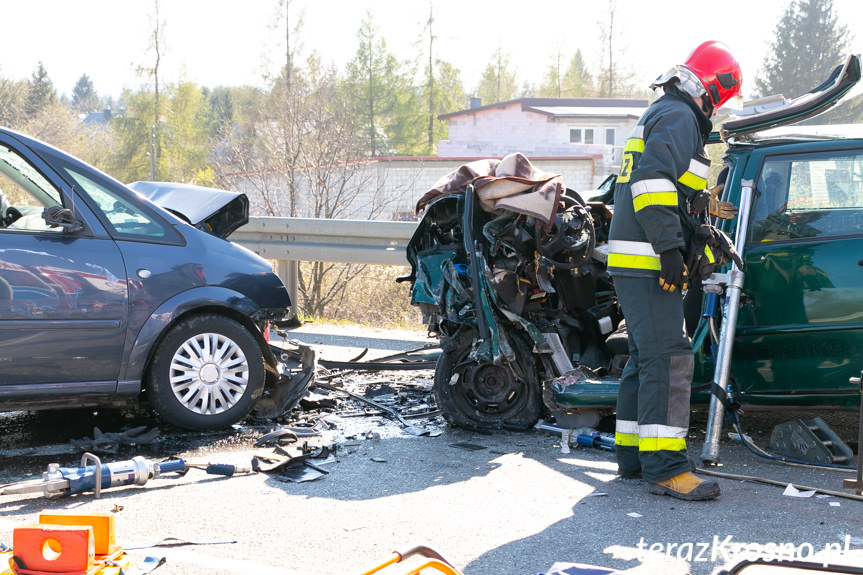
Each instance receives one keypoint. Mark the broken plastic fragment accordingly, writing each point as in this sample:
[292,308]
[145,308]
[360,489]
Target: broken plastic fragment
[792,491]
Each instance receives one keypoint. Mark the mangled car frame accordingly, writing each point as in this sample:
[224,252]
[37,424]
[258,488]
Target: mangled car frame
[508,269]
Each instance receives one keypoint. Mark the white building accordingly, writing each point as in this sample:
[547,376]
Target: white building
[567,129]
[578,138]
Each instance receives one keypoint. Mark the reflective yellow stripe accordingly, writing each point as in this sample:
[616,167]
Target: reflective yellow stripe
[633,262]
[654,199]
[661,444]
[626,439]
[634,145]
[709,253]
[653,192]
[632,255]
[690,180]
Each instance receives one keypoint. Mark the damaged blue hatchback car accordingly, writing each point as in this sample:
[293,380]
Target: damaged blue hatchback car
[107,299]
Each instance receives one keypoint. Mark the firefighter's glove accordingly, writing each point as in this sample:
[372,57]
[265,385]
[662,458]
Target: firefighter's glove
[709,200]
[672,272]
[710,248]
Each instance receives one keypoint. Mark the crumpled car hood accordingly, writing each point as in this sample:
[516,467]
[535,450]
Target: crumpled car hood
[217,212]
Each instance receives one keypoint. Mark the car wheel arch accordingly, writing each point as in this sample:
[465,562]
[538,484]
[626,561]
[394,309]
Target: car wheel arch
[212,299]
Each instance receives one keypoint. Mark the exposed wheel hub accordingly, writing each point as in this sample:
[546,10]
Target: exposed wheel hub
[491,388]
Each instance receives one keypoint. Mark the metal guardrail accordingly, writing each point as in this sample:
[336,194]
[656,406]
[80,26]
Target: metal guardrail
[307,239]
[287,241]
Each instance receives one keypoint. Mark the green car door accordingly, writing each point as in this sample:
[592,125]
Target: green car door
[800,326]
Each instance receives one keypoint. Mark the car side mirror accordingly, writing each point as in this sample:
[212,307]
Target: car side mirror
[57,216]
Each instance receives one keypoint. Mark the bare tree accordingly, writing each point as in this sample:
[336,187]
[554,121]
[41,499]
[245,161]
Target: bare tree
[157,42]
[606,77]
[614,80]
[307,158]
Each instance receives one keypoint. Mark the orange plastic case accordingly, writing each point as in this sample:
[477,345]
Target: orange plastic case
[65,543]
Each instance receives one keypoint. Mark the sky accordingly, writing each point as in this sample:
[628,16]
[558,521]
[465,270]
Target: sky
[231,43]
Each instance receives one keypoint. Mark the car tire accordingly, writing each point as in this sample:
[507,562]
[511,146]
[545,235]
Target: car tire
[206,373]
[484,396]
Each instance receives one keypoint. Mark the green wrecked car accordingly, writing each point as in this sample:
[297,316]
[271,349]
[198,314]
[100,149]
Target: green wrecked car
[528,320]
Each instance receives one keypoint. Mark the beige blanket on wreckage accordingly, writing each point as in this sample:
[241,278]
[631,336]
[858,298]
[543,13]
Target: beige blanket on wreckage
[512,183]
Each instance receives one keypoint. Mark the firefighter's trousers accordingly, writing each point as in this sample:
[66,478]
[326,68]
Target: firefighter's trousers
[653,400]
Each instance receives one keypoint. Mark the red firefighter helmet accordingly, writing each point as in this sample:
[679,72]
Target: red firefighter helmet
[717,69]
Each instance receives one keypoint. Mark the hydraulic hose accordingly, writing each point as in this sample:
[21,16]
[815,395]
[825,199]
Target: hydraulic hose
[724,475]
[734,419]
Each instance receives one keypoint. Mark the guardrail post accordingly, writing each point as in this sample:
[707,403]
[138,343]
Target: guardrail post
[289,272]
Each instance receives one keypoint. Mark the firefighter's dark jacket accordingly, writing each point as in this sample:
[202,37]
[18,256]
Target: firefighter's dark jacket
[663,166]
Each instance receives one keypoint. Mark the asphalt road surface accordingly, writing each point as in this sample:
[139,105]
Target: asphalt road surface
[506,503]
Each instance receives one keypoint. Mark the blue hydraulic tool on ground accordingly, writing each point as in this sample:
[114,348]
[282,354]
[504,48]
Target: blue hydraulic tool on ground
[62,481]
[595,439]
[582,436]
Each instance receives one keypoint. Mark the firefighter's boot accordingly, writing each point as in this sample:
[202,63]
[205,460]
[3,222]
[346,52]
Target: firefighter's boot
[686,486]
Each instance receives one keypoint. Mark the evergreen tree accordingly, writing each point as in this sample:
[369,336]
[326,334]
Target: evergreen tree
[808,43]
[380,91]
[448,96]
[498,83]
[574,82]
[235,106]
[84,97]
[40,94]
[577,80]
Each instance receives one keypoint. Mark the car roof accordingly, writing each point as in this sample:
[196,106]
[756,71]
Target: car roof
[824,132]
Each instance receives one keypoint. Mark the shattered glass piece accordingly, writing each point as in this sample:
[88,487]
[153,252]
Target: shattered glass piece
[299,473]
[276,437]
[379,390]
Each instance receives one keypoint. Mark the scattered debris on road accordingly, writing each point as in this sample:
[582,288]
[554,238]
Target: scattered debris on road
[110,442]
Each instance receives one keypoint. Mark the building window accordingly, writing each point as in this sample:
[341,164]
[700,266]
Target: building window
[609,136]
[581,136]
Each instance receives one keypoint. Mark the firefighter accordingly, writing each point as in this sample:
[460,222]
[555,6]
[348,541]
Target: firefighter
[662,179]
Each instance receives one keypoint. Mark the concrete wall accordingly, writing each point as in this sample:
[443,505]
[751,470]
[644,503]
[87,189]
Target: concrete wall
[388,188]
